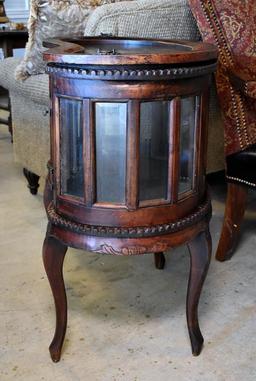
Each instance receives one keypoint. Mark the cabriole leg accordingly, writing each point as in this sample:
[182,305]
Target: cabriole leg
[200,255]
[53,256]
[33,181]
[234,213]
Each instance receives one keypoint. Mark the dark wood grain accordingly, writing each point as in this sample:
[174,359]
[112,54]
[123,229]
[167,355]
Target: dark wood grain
[133,147]
[200,255]
[234,213]
[53,256]
[159,260]
[89,154]
[33,181]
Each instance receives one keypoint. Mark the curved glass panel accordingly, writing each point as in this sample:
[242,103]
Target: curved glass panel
[111,125]
[71,147]
[187,143]
[154,150]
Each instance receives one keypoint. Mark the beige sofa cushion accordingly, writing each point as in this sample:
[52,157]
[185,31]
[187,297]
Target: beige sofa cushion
[53,18]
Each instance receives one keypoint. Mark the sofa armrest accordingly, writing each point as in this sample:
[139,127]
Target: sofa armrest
[169,19]
[35,88]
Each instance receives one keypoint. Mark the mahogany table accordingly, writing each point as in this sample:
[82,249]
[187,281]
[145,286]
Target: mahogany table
[10,40]
[128,157]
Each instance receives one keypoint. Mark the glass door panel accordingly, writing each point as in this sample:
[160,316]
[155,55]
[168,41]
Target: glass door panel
[187,144]
[71,147]
[154,150]
[111,126]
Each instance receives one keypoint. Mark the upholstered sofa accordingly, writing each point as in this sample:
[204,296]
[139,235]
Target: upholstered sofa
[167,19]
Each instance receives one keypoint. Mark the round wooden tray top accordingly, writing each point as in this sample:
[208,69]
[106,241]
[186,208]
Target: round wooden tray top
[123,51]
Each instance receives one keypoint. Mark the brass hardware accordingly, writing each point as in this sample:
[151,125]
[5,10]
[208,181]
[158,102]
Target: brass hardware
[106,52]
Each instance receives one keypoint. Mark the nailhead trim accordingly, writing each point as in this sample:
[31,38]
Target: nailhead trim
[241,181]
[203,211]
[134,74]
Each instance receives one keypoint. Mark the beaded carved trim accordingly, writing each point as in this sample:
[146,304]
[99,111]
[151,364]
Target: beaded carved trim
[203,211]
[131,250]
[241,181]
[131,73]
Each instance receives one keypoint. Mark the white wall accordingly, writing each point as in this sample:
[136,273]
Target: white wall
[17,10]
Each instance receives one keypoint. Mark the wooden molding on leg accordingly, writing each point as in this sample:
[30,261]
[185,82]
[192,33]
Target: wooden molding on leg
[234,213]
[159,260]
[53,256]
[33,181]
[200,256]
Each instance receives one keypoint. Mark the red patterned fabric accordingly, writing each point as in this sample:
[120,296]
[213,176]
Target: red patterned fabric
[231,25]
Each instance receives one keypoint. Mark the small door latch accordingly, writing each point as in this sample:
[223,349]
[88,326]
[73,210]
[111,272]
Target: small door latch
[106,52]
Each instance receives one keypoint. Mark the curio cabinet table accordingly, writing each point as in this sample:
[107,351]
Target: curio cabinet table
[128,156]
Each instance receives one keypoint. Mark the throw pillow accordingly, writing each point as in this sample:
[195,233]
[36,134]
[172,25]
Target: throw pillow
[49,19]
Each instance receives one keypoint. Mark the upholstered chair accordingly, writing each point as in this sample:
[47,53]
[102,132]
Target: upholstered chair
[230,24]
[240,172]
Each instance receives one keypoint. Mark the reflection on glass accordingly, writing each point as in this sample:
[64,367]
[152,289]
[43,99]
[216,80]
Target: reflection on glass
[154,150]
[111,121]
[71,147]
[187,143]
